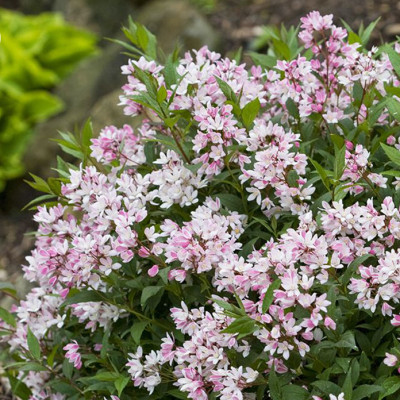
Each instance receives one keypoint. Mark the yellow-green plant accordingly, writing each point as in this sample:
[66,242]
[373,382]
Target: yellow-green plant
[36,53]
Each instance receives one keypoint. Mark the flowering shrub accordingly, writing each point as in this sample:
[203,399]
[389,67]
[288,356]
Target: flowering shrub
[242,243]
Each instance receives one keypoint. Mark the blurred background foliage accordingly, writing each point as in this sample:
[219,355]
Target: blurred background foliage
[36,52]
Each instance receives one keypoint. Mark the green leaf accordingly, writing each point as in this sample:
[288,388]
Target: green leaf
[177,394]
[150,291]
[348,387]
[82,296]
[39,184]
[27,366]
[167,141]
[33,344]
[7,317]
[161,94]
[51,356]
[105,344]
[292,108]
[358,93]
[38,201]
[322,173]
[149,152]
[327,387]
[87,134]
[352,268]
[281,49]
[394,58]
[269,295]
[340,162]
[367,32]
[248,247]
[55,185]
[390,386]
[137,330]
[392,153]
[19,389]
[293,392]
[193,167]
[250,112]
[354,38]
[391,173]
[393,107]
[120,383]
[230,308]
[337,140]
[237,56]
[226,90]
[170,72]
[347,341]
[244,326]
[230,201]
[67,368]
[106,376]
[274,386]
[265,61]
[364,391]
[141,34]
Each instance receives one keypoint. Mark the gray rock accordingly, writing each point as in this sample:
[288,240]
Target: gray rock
[93,79]
[177,21]
[107,112]
[103,17]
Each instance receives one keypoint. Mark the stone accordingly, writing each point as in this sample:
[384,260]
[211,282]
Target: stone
[392,29]
[93,79]
[177,21]
[103,17]
[107,112]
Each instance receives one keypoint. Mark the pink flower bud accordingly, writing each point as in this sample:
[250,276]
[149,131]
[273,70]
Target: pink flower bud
[391,140]
[153,271]
[349,145]
[396,320]
[143,252]
[330,323]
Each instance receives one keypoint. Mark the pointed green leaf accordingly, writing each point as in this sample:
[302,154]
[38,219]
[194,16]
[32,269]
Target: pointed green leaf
[33,344]
[120,383]
[392,153]
[250,112]
[269,295]
[7,317]
[137,330]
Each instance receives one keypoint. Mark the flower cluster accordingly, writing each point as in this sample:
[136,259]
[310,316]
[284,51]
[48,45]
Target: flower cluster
[324,84]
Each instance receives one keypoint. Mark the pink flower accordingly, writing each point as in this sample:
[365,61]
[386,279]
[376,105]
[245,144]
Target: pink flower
[73,355]
[153,271]
[390,360]
[396,320]
[330,323]
[391,140]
